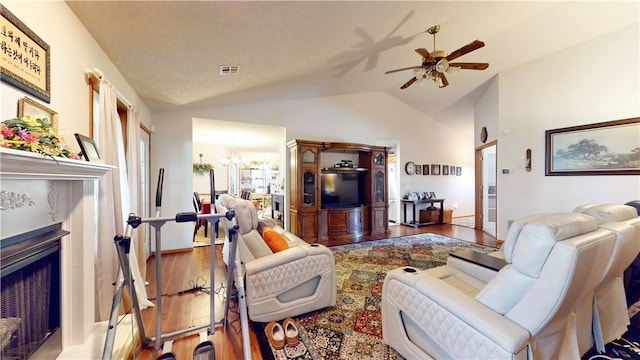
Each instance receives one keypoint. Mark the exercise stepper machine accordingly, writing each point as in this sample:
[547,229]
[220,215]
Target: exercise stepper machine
[205,349]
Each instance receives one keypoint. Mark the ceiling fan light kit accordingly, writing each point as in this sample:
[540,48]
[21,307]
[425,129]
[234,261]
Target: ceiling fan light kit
[436,63]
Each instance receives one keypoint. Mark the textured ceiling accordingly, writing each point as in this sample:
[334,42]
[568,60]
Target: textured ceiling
[170,51]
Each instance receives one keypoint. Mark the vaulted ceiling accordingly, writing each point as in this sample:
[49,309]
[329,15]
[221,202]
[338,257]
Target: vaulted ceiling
[171,51]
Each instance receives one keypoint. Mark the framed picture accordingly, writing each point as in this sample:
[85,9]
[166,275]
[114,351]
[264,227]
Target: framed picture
[458,170]
[452,170]
[418,169]
[435,169]
[445,170]
[606,148]
[89,148]
[25,57]
[425,169]
[28,107]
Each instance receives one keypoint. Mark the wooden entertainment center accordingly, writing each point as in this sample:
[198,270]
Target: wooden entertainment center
[338,191]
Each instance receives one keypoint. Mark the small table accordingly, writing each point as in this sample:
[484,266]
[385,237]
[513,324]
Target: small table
[416,223]
[480,259]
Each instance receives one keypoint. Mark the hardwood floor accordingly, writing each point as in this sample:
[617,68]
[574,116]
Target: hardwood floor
[185,270]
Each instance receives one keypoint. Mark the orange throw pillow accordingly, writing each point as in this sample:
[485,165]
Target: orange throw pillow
[274,240]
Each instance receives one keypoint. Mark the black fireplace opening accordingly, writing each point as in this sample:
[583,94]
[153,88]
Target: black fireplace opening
[30,290]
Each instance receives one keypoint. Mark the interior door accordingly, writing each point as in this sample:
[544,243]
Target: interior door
[393,188]
[486,188]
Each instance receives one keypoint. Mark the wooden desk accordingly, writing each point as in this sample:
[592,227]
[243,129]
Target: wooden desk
[480,259]
[416,221]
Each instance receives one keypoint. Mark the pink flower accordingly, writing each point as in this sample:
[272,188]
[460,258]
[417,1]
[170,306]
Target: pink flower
[31,138]
[6,132]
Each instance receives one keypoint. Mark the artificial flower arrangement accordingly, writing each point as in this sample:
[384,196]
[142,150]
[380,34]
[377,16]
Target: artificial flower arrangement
[35,135]
[201,168]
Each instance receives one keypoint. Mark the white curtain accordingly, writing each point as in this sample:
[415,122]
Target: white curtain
[135,187]
[114,204]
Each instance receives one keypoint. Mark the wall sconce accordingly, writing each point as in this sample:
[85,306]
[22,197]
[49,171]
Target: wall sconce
[527,164]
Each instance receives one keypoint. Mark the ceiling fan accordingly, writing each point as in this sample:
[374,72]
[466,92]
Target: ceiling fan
[436,63]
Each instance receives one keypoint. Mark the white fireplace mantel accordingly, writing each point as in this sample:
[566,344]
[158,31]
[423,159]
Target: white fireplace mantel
[18,164]
[37,189]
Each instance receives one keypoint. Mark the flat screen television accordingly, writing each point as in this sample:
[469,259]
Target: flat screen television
[340,190]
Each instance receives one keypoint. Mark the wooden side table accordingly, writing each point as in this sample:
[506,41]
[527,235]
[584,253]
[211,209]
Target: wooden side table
[416,222]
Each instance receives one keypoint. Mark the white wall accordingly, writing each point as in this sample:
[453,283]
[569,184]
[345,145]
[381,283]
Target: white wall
[211,154]
[593,82]
[368,118]
[487,113]
[72,50]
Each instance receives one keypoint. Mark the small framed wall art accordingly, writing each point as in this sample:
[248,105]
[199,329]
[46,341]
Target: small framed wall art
[425,169]
[28,107]
[435,169]
[418,169]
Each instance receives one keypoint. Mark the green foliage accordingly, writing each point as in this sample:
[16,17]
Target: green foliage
[201,169]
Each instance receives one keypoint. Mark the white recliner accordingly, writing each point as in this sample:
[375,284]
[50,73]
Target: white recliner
[610,317]
[299,279]
[529,308]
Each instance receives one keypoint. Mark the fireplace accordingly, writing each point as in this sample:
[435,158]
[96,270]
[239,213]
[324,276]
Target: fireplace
[50,206]
[30,291]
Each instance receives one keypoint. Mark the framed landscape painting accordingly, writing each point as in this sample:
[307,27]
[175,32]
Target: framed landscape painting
[606,148]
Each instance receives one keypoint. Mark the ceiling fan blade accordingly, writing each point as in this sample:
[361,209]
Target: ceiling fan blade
[425,54]
[445,82]
[475,45]
[470,66]
[408,83]
[403,69]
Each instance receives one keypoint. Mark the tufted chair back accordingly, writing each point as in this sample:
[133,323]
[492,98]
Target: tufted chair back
[251,246]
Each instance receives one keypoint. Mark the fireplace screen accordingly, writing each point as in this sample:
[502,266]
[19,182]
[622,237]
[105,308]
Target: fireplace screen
[30,295]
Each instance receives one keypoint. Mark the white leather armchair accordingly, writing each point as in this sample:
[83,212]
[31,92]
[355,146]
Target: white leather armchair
[287,283]
[610,317]
[527,309]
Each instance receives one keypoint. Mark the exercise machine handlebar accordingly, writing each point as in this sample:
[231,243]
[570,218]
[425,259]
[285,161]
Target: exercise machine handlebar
[159,188]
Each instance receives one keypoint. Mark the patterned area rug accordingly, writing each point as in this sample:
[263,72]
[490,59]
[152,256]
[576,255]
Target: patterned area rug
[353,328]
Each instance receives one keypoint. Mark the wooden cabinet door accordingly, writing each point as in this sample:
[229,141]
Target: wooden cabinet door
[379,220]
[308,227]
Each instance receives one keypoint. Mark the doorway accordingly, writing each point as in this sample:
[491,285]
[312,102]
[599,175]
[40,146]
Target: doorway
[486,208]
[145,166]
[393,188]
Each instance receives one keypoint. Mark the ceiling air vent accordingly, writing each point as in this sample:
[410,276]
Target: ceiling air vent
[229,69]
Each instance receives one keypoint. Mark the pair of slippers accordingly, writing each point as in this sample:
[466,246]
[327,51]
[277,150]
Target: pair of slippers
[278,334]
